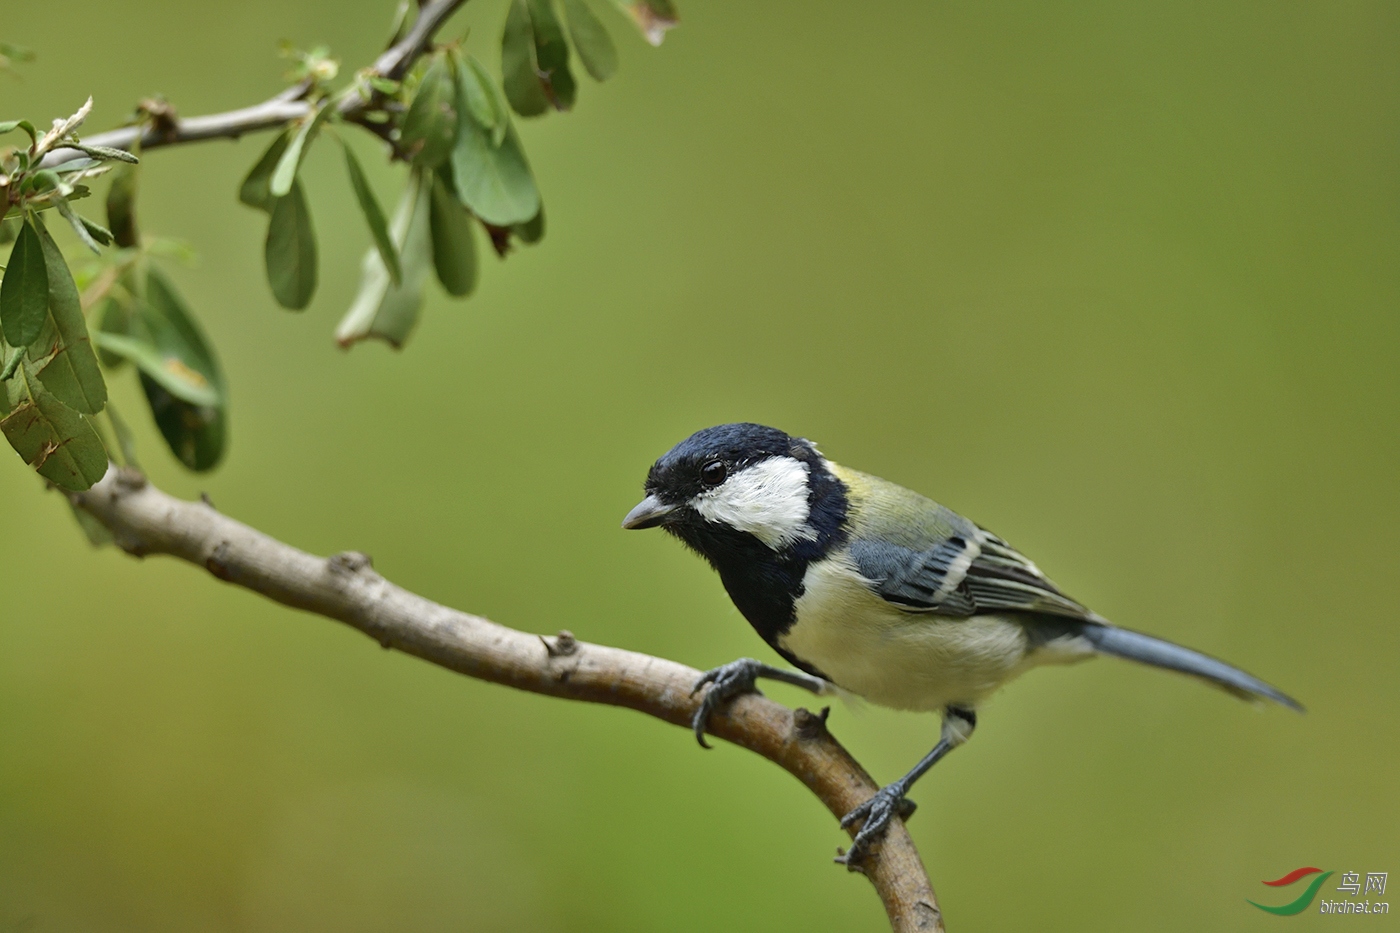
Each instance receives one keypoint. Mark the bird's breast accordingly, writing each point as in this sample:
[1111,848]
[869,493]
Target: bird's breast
[893,657]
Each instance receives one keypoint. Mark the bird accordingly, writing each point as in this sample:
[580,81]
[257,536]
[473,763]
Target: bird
[871,589]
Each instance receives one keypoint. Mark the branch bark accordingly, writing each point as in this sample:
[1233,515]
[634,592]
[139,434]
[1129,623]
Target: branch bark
[144,521]
[276,111]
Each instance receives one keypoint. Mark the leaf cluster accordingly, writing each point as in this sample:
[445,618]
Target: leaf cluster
[449,121]
[51,386]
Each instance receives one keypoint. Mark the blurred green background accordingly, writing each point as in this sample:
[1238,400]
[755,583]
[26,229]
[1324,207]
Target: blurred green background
[1119,281]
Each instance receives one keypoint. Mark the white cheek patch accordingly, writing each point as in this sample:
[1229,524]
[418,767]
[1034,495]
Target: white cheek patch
[768,500]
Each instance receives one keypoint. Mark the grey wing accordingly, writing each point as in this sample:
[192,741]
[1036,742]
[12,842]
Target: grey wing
[962,575]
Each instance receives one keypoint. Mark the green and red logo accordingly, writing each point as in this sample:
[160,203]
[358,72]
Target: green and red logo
[1304,900]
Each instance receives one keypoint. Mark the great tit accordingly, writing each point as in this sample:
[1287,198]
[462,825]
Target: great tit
[870,587]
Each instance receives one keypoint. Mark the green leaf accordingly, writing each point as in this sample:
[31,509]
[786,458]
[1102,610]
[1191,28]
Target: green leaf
[374,215]
[58,442]
[113,317]
[652,17]
[290,251]
[256,188]
[62,355]
[71,168]
[532,231]
[46,179]
[121,206]
[382,309]
[80,226]
[175,333]
[171,248]
[518,72]
[431,122]
[11,359]
[552,55]
[125,442]
[480,99]
[105,153]
[14,53]
[290,163]
[109,343]
[595,47]
[10,126]
[454,242]
[173,375]
[494,181]
[24,293]
[95,230]
[196,434]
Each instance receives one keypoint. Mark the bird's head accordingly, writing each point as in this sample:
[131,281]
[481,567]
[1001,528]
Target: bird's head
[735,484]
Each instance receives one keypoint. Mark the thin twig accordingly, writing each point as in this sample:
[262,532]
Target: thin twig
[143,520]
[278,110]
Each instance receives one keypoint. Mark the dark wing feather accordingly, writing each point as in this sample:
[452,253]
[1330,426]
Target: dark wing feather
[962,575]
[922,581]
[1003,578]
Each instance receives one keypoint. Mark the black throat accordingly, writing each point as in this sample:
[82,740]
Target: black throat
[763,583]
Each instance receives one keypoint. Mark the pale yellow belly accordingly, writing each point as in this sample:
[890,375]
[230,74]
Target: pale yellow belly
[913,661]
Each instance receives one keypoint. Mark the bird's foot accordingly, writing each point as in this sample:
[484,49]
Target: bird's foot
[886,803]
[726,682]
[729,680]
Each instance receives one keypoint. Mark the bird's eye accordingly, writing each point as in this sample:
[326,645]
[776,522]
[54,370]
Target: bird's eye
[713,473]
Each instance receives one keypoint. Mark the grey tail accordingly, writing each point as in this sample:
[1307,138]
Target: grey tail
[1135,646]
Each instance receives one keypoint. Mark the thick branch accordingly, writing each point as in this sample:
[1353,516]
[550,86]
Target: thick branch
[145,521]
[276,111]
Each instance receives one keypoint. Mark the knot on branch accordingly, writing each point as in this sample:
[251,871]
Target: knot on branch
[564,644]
[161,116]
[558,653]
[217,562]
[348,563]
[808,726]
[129,479]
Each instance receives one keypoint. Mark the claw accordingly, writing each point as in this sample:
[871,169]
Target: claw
[705,678]
[726,682]
[886,803]
[697,724]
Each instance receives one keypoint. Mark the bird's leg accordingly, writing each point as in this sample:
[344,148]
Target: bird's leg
[958,723]
[729,680]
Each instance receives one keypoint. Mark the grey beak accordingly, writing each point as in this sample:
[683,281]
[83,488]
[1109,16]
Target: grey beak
[648,513]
